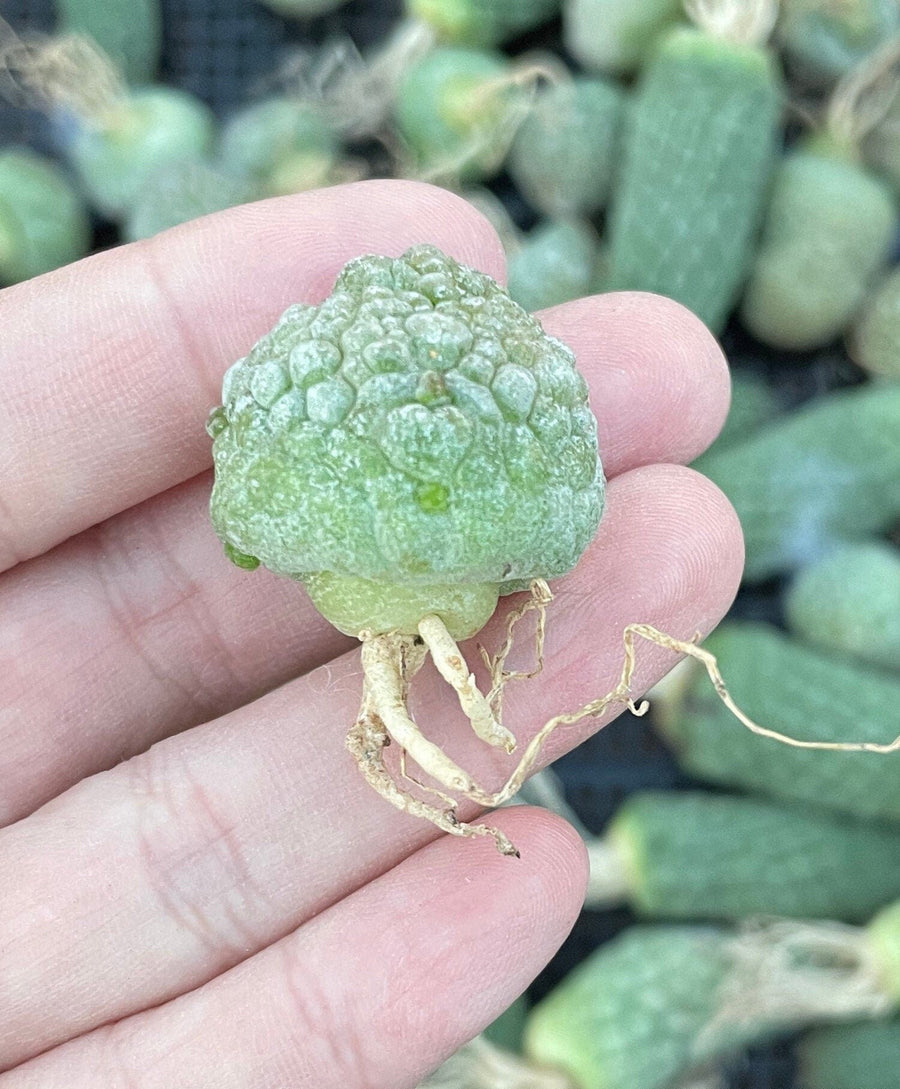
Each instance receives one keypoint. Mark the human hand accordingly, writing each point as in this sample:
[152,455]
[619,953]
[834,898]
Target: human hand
[234,908]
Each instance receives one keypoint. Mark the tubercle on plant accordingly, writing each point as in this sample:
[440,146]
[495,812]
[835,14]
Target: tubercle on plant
[412,448]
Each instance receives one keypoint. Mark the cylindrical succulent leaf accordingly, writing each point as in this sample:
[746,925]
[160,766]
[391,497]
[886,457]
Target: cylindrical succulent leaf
[149,128]
[280,144]
[659,1003]
[700,146]
[797,691]
[454,109]
[824,40]
[874,339]
[696,855]
[825,474]
[829,230]
[849,602]
[628,1016]
[616,35]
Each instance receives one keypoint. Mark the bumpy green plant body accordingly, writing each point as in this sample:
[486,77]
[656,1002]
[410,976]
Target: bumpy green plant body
[788,687]
[566,151]
[862,1055]
[632,1016]
[183,191]
[828,232]
[826,474]
[825,39]
[128,31]
[482,22]
[699,151]
[874,339]
[43,221]
[616,35]
[695,855]
[414,444]
[151,127]
[849,602]
[282,145]
[555,263]
[450,111]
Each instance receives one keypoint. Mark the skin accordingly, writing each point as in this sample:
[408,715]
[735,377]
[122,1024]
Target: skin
[234,907]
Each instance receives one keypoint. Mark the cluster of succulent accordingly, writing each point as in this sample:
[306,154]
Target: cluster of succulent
[416,446]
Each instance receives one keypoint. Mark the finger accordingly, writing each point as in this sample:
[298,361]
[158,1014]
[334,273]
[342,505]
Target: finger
[219,841]
[376,991]
[110,366]
[132,631]
[138,628]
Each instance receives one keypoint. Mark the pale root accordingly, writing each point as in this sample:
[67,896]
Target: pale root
[67,71]
[391,660]
[355,91]
[792,973]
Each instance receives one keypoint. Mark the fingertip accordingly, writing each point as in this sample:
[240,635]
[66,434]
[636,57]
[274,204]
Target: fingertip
[728,539]
[660,383]
[550,872]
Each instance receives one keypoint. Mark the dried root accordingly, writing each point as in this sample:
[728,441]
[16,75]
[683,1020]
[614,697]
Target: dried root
[66,71]
[863,98]
[790,972]
[480,1064]
[391,660]
[490,141]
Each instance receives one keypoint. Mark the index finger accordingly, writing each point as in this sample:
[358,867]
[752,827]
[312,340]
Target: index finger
[107,365]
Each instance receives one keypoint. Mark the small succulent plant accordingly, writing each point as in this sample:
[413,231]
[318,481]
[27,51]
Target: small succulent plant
[410,449]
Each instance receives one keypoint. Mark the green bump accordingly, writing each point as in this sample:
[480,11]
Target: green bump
[388,354]
[241,559]
[312,360]
[432,497]
[216,422]
[438,338]
[514,388]
[267,384]
[329,402]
